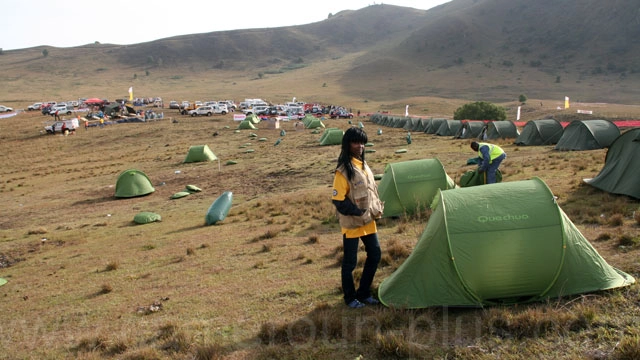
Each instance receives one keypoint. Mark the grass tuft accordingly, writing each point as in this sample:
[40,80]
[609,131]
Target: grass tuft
[616,220]
[112,266]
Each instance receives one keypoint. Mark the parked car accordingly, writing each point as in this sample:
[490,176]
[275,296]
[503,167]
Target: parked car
[5,109]
[229,103]
[174,105]
[341,115]
[202,110]
[258,110]
[61,109]
[34,106]
[62,127]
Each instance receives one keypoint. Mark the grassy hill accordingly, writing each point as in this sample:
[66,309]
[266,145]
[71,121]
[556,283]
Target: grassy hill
[489,50]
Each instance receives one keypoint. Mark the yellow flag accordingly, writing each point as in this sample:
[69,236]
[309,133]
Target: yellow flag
[131,93]
[566,102]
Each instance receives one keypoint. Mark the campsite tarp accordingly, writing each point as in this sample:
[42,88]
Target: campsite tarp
[621,169]
[498,244]
[449,128]
[199,153]
[132,183]
[540,132]
[588,135]
[470,129]
[409,186]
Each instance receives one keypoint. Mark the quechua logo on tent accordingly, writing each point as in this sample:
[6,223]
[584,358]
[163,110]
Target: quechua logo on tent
[484,219]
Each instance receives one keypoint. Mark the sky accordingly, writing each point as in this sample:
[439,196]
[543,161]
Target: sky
[69,23]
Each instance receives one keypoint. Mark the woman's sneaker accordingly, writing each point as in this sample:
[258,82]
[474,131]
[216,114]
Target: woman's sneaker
[370,301]
[355,304]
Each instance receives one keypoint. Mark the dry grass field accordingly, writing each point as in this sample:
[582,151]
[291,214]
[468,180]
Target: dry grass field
[85,282]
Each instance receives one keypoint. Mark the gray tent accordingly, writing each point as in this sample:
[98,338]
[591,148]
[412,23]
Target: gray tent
[588,135]
[434,125]
[470,129]
[449,128]
[621,166]
[540,132]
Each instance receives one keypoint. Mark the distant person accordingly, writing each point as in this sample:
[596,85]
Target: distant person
[490,158]
[355,196]
[56,115]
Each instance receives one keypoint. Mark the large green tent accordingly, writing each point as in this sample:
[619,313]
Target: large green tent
[132,183]
[540,132]
[498,244]
[588,135]
[621,169]
[409,186]
[199,153]
[499,130]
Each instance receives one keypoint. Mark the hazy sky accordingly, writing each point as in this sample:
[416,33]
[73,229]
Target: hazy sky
[67,23]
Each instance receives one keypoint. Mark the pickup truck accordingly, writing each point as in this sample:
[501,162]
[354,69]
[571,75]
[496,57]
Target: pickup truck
[57,127]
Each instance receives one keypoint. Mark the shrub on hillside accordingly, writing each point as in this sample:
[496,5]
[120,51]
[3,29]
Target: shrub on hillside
[480,110]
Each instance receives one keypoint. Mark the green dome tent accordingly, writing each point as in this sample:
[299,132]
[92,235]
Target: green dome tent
[449,128]
[588,135]
[253,118]
[470,129]
[408,186]
[621,169]
[132,183]
[331,136]
[434,125]
[199,153]
[498,244]
[312,122]
[540,132]
[499,130]
[246,124]
[412,124]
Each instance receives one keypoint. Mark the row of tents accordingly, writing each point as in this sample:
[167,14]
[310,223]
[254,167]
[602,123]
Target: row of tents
[577,135]
[309,122]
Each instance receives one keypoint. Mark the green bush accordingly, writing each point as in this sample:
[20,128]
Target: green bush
[480,110]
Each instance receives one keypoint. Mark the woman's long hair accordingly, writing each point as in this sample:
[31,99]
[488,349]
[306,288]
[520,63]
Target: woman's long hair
[352,135]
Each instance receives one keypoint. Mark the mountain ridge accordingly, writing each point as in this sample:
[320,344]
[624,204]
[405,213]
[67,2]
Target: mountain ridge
[491,50]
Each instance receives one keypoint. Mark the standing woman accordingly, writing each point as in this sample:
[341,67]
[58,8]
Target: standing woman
[355,196]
